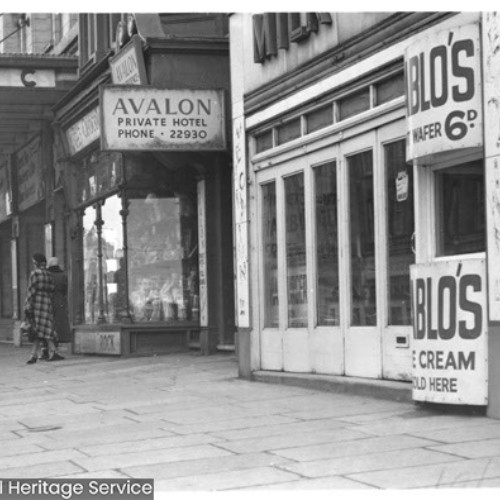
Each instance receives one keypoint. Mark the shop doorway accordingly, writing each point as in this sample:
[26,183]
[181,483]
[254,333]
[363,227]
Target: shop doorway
[335,235]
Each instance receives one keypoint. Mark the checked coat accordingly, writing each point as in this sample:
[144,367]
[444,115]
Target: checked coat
[38,306]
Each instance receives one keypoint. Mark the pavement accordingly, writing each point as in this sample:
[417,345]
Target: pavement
[190,423]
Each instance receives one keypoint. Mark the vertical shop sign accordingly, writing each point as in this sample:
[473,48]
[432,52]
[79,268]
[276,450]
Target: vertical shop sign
[491,103]
[202,242]
[450,358]
[127,67]
[241,224]
[30,174]
[443,92]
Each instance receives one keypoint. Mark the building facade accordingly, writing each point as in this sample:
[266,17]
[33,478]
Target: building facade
[361,206]
[137,200]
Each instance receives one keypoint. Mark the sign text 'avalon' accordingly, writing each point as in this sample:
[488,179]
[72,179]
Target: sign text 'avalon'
[144,118]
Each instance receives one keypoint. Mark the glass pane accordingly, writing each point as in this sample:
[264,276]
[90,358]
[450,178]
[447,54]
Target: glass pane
[400,220]
[90,266]
[319,118]
[289,131]
[354,104]
[264,141]
[163,258]
[363,299]
[112,261]
[270,245]
[461,205]
[390,89]
[327,285]
[296,251]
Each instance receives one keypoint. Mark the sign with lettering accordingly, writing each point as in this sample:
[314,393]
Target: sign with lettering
[30,174]
[127,67]
[84,132]
[450,349]
[27,77]
[153,119]
[443,92]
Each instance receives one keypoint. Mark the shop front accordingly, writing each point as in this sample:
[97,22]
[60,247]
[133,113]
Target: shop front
[150,237]
[329,197]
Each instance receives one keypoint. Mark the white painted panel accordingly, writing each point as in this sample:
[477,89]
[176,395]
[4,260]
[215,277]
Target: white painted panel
[363,352]
[271,344]
[326,351]
[396,356]
[296,350]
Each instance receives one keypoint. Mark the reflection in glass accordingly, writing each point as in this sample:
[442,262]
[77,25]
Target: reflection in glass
[327,285]
[296,251]
[113,265]
[163,258]
[90,266]
[363,291]
[461,205]
[400,219]
[270,247]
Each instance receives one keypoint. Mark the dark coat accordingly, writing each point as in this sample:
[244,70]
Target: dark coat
[38,305]
[60,302]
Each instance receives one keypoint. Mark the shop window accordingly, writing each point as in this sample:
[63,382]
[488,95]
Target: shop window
[296,251]
[400,222]
[163,258]
[390,89]
[327,284]
[460,196]
[362,242]
[319,118]
[288,131]
[354,104]
[162,265]
[113,264]
[264,141]
[90,266]
[270,257]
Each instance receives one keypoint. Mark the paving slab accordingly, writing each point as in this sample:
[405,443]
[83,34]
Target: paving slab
[471,449]
[434,476]
[369,462]
[360,446]
[294,442]
[218,465]
[227,481]
[121,460]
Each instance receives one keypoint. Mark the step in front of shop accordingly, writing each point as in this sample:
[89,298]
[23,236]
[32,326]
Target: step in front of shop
[375,388]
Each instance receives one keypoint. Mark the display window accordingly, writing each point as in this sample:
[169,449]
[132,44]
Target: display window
[163,258]
[460,198]
[270,245]
[327,256]
[158,268]
[401,222]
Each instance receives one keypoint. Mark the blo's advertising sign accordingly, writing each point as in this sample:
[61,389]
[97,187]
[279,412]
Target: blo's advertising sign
[153,119]
[449,345]
[443,92]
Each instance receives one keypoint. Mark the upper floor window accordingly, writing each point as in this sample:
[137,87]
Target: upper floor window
[97,33]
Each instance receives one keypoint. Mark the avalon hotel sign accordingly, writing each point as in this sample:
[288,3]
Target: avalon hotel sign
[148,118]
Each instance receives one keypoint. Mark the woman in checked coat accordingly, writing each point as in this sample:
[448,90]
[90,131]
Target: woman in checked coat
[38,308]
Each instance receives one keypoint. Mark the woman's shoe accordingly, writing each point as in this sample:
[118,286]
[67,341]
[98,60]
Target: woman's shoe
[31,360]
